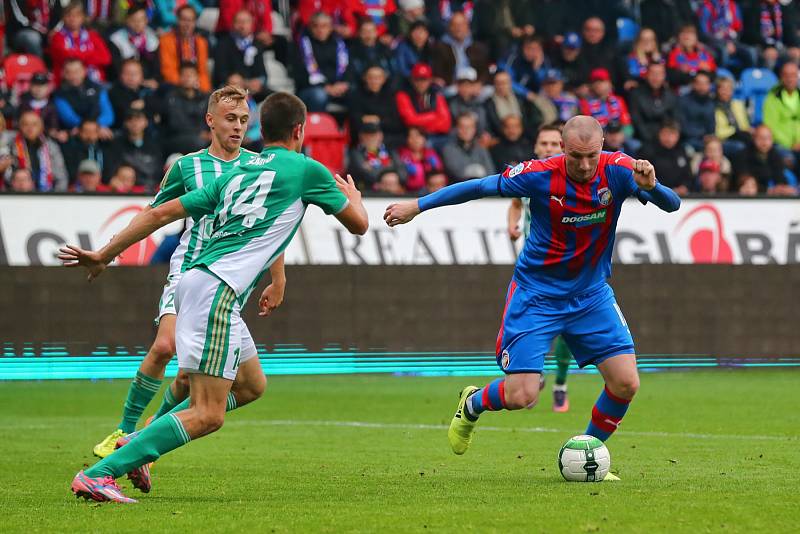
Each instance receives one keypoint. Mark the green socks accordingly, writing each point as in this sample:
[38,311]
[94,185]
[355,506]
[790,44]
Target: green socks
[167,404]
[142,390]
[149,445]
[563,360]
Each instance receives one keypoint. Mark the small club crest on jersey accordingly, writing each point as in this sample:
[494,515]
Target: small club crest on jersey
[516,170]
[604,196]
[505,359]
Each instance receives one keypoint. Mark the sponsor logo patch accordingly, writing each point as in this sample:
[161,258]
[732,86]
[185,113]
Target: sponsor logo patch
[585,220]
[516,170]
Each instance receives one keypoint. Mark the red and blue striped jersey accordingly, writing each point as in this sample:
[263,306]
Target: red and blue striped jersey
[573,224]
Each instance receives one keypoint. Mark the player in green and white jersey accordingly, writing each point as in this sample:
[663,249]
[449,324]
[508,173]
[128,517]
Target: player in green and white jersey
[227,118]
[548,144]
[257,208]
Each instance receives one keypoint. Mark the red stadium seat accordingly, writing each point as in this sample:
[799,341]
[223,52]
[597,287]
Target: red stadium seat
[325,142]
[19,69]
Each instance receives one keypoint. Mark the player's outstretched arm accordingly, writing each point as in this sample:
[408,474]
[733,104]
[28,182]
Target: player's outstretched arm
[514,215]
[354,217]
[650,190]
[140,227]
[272,297]
[403,212]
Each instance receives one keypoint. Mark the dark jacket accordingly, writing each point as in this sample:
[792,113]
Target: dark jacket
[458,106]
[674,166]
[507,153]
[184,114]
[48,112]
[697,116]
[444,61]
[368,170]
[228,59]
[463,162]
[146,159]
[325,54]
[76,151]
[751,19]
[362,57]
[122,97]
[767,170]
[531,117]
[383,105]
[650,108]
[665,17]
[87,101]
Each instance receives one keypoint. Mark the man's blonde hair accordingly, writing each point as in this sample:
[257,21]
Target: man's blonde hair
[227,93]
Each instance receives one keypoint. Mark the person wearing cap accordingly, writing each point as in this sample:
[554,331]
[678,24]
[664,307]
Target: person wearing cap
[615,140]
[367,50]
[136,149]
[652,103]
[671,157]
[457,50]
[183,118]
[88,179]
[372,163]
[38,98]
[603,104]
[464,158]
[136,40]
[709,179]
[712,151]
[421,104]
[571,62]
[322,65]
[31,149]
[415,48]
[79,98]
[374,100]
[697,111]
[85,145]
[467,98]
[566,103]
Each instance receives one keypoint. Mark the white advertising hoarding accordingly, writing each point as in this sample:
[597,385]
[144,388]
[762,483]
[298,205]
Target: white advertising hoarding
[750,231]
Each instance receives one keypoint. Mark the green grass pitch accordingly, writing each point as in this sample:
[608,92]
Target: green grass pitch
[698,451]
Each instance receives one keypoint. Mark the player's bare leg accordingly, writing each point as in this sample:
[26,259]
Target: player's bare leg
[144,386]
[514,392]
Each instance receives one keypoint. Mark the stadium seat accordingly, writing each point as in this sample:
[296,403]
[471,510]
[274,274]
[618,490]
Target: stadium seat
[19,69]
[627,29]
[755,84]
[791,178]
[325,142]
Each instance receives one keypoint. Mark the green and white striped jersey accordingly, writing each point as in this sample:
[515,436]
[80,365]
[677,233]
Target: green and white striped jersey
[526,217]
[257,208]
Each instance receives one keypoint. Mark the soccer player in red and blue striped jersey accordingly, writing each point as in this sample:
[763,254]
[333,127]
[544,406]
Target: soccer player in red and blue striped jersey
[559,283]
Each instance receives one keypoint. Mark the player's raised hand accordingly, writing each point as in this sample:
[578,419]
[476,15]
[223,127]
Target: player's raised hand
[644,173]
[401,213]
[270,299]
[347,187]
[72,256]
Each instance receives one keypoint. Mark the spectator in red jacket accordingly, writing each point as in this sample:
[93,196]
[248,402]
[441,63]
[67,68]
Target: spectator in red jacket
[379,12]
[345,14]
[421,104]
[74,40]
[688,57]
[603,104]
[420,160]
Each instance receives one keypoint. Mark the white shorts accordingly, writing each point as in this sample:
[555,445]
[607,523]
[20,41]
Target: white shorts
[210,335]
[166,306]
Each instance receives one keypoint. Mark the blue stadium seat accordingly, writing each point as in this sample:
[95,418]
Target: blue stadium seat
[755,84]
[791,179]
[627,29]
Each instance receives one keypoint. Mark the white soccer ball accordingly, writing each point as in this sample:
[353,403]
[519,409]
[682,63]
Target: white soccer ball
[584,459]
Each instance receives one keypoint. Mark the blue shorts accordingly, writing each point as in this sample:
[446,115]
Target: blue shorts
[592,325]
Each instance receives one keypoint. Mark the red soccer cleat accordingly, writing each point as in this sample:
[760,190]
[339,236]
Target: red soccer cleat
[139,476]
[103,489]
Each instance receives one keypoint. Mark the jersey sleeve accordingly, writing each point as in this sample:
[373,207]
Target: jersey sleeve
[518,181]
[202,201]
[171,187]
[319,188]
[620,166]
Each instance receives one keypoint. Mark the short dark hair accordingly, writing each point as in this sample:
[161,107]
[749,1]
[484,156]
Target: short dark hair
[552,127]
[189,65]
[183,8]
[280,113]
[130,61]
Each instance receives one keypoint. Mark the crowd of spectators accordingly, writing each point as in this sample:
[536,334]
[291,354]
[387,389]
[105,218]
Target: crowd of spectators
[430,91]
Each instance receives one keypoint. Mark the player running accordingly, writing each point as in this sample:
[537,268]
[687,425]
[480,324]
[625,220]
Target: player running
[257,208]
[227,118]
[548,144]
[559,283]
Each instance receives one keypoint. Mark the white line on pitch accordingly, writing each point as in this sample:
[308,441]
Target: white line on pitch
[412,426]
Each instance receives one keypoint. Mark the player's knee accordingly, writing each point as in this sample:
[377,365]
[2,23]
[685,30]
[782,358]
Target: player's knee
[626,388]
[525,396]
[212,421]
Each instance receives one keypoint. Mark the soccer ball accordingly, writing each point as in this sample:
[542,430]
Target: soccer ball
[584,459]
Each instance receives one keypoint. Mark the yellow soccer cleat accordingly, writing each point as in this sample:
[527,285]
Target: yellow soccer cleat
[107,446]
[611,477]
[460,432]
